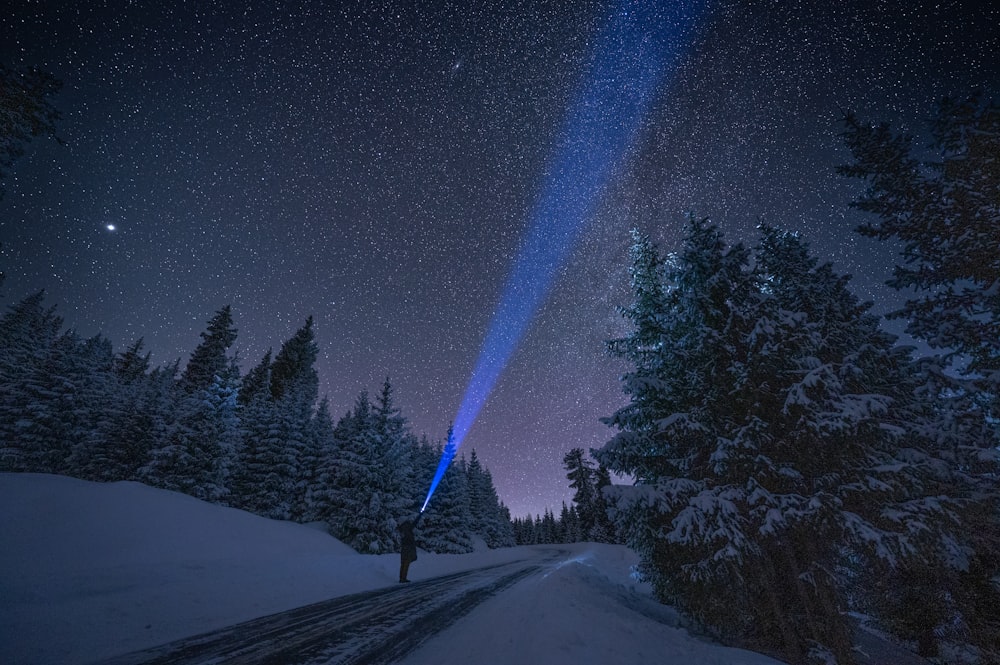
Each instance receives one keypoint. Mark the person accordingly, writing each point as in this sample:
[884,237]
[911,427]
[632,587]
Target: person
[408,546]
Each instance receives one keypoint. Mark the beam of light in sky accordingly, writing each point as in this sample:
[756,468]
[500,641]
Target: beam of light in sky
[638,49]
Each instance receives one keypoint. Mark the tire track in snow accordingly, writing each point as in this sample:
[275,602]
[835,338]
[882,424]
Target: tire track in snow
[368,628]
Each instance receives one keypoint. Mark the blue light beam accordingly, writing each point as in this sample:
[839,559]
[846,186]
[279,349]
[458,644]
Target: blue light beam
[639,47]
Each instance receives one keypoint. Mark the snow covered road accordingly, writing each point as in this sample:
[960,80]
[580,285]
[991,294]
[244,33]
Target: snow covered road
[366,628]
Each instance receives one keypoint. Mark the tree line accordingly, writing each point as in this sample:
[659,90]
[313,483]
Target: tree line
[792,462]
[584,520]
[263,442]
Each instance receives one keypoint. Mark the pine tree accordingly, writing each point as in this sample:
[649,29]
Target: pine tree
[388,420]
[263,466]
[256,415]
[137,423]
[524,531]
[295,389]
[279,462]
[487,518]
[546,529]
[61,402]
[27,334]
[506,536]
[945,212]
[269,469]
[446,527]
[358,517]
[531,535]
[760,435]
[202,446]
[131,365]
[947,215]
[74,401]
[843,418]
[479,499]
[319,499]
[582,477]
[570,528]
[209,358]
[394,456]
[424,463]
[257,381]
[121,444]
[199,453]
[293,369]
[603,530]
[680,313]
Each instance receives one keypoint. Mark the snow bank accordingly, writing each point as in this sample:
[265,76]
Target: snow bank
[93,570]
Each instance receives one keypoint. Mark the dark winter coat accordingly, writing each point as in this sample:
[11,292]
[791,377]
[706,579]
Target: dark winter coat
[408,544]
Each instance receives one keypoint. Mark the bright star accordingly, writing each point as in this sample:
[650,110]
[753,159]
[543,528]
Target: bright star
[110,227]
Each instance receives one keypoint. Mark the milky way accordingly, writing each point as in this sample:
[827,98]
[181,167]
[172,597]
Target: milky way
[375,165]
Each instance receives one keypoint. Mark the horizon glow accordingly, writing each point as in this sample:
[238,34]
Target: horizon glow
[636,51]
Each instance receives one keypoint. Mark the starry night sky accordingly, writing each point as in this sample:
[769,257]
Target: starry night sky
[374,164]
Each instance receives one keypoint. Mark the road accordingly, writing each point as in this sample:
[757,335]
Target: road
[384,625]
[366,628]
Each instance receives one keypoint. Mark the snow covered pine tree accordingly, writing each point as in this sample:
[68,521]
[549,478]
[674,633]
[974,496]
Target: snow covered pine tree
[759,435]
[945,212]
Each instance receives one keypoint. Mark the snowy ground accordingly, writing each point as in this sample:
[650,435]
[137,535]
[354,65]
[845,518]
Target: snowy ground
[90,571]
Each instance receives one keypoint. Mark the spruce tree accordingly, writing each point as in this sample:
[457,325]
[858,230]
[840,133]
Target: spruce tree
[359,517]
[28,332]
[525,530]
[570,530]
[681,311]
[446,527]
[73,401]
[478,495]
[201,449]
[200,452]
[263,466]
[394,456]
[760,435]
[946,214]
[257,381]
[132,364]
[319,499]
[293,369]
[424,463]
[942,205]
[209,358]
[138,423]
[295,389]
[388,420]
[846,468]
[603,530]
[279,460]
[487,518]
[582,477]
[257,413]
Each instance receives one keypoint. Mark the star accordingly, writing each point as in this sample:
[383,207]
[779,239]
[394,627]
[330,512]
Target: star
[110,227]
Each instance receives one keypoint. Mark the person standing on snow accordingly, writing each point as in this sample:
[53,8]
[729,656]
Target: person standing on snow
[408,546]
